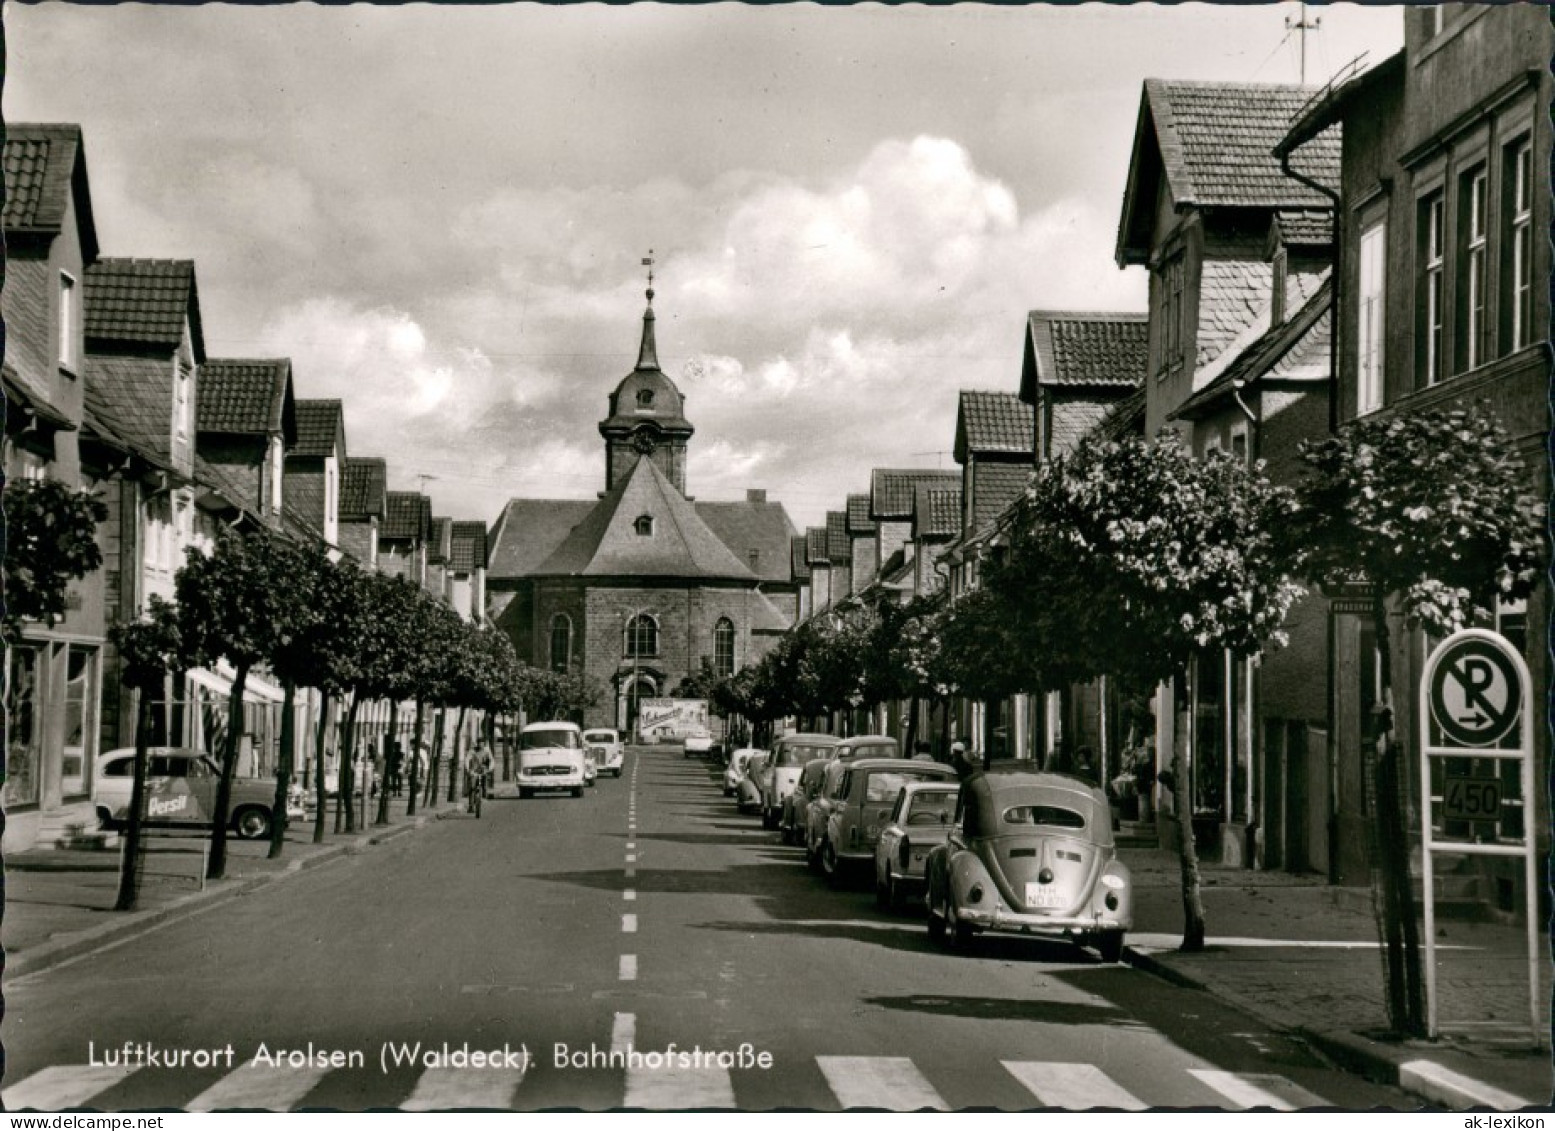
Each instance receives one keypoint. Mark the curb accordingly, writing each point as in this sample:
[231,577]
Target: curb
[58,951]
[1352,1052]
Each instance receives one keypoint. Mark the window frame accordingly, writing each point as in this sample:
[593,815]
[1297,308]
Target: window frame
[641,627]
[1471,347]
[723,632]
[643,526]
[1517,250]
[1431,249]
[69,304]
[1371,318]
[562,622]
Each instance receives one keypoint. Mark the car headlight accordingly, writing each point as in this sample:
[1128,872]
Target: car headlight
[1113,882]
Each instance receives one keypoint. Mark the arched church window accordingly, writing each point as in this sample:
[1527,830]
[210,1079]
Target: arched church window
[723,647]
[644,525]
[561,642]
[642,636]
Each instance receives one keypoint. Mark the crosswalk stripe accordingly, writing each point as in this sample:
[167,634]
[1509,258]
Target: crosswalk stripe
[1252,1089]
[676,1088]
[1073,1087]
[257,1086]
[63,1085]
[441,1088]
[890,1082]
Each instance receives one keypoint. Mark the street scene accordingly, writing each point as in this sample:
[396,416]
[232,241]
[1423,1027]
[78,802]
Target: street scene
[776,558]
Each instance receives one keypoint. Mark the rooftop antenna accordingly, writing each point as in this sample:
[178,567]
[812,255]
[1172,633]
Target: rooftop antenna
[423,478]
[1301,26]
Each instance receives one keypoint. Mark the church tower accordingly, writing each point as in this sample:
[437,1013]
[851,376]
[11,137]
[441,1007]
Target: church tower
[647,415]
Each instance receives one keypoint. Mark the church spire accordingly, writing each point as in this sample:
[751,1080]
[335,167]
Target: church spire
[648,353]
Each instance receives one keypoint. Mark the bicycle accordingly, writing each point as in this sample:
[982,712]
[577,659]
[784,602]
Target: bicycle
[474,791]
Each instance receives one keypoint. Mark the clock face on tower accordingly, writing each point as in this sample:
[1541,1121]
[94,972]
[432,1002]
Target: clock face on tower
[643,442]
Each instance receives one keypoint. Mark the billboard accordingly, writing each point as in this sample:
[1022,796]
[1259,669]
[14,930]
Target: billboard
[665,720]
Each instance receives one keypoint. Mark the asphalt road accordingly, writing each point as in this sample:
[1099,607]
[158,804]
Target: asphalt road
[646,915]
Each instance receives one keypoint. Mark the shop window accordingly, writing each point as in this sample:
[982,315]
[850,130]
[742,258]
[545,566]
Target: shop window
[80,717]
[22,740]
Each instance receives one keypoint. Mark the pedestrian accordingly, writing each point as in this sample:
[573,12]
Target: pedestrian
[395,762]
[921,752]
[964,765]
[1060,760]
[1085,765]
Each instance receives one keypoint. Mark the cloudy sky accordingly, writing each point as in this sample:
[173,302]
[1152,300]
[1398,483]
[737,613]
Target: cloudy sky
[439,213]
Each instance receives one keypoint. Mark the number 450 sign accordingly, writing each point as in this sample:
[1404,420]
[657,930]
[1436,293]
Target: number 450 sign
[1474,704]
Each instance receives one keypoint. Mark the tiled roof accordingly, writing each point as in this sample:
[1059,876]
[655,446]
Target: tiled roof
[469,547]
[135,396]
[528,531]
[321,427]
[45,167]
[1300,227]
[1084,348]
[891,489]
[363,485]
[1214,144]
[765,616]
[816,546]
[799,552]
[606,543]
[839,549]
[298,523]
[1297,349]
[1335,101]
[144,302]
[757,532]
[995,487]
[406,515]
[898,571]
[992,422]
[303,496]
[440,540]
[1125,418]
[239,491]
[1217,142]
[937,512]
[247,396]
[859,521]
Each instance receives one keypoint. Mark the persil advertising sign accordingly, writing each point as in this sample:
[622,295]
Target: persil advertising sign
[664,720]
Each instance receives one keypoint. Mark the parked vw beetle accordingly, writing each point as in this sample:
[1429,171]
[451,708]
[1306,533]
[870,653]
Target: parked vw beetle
[1030,853]
[796,806]
[920,822]
[747,792]
[735,770]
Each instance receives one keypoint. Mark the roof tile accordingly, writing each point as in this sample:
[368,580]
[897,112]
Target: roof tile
[859,521]
[320,428]
[242,396]
[799,550]
[469,547]
[839,549]
[937,512]
[993,422]
[892,489]
[363,485]
[142,301]
[407,515]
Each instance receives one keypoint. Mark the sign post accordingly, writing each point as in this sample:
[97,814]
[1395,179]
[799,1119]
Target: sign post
[1475,708]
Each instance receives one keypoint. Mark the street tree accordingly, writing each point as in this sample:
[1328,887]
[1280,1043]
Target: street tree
[149,651]
[1130,559]
[1432,513]
[231,607]
[50,540]
[329,660]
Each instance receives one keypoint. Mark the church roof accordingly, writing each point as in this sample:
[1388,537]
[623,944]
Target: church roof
[646,395]
[607,543]
[753,527]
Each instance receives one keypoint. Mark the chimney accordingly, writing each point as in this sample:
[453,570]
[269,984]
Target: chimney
[756,495]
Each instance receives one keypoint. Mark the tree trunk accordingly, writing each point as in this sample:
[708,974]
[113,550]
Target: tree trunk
[320,794]
[129,867]
[217,866]
[347,776]
[1187,856]
[383,786]
[1399,933]
[415,761]
[283,772]
[438,725]
[912,727]
[453,759]
[507,746]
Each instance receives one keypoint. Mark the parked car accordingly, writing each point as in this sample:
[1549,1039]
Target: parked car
[699,743]
[920,820]
[818,812]
[747,793]
[611,751]
[789,755]
[551,757]
[1030,853]
[868,746]
[181,787]
[796,806]
[735,770]
[590,766]
[862,807]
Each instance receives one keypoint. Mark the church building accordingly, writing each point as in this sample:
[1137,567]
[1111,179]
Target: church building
[636,589]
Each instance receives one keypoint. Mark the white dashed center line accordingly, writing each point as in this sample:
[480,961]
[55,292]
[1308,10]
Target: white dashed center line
[628,969]
[628,924]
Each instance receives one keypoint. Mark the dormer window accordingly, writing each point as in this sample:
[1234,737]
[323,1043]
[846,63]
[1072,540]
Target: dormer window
[644,400]
[644,525]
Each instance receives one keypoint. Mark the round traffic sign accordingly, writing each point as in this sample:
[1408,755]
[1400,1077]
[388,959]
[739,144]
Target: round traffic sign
[1476,692]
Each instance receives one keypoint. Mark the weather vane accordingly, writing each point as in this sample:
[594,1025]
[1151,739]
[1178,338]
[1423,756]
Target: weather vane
[648,263]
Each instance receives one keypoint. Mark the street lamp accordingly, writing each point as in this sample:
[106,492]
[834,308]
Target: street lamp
[629,618]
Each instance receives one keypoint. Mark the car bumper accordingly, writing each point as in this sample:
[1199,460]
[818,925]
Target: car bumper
[1002,919]
[551,781]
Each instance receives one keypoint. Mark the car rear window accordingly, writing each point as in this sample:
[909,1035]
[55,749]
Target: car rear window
[884,785]
[795,755]
[606,736]
[1052,816]
[932,808]
[536,739]
[874,750]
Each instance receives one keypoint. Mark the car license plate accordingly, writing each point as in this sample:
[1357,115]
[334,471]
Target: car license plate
[918,854]
[1043,895]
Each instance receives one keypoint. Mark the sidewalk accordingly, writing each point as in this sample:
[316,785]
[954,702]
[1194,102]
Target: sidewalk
[59,902]
[1303,956]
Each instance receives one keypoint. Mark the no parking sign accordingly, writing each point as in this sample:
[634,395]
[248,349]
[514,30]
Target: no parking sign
[1474,701]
